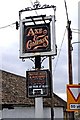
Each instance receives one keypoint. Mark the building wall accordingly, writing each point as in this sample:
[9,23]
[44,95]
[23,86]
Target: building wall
[14,92]
[58,112]
[29,112]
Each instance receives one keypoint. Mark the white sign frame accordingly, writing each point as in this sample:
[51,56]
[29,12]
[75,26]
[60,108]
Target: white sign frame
[53,50]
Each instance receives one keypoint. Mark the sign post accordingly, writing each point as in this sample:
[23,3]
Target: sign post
[39,108]
[37,39]
[38,101]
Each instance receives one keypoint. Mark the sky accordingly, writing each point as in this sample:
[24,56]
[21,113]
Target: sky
[10,38]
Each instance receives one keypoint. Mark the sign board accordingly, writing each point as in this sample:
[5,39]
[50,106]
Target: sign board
[38,83]
[73,97]
[37,39]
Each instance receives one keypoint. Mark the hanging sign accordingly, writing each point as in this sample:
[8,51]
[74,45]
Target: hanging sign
[36,38]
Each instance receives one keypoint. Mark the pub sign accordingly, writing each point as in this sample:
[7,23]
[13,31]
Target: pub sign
[36,38]
[38,83]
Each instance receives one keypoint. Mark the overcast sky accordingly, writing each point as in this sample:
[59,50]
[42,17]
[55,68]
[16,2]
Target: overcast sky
[9,40]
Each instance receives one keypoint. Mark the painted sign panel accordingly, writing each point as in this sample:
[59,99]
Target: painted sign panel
[36,38]
[38,83]
[73,97]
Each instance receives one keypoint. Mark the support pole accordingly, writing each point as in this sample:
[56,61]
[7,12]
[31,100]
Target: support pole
[39,107]
[39,100]
[70,55]
[69,52]
[69,46]
[69,49]
[52,110]
[37,62]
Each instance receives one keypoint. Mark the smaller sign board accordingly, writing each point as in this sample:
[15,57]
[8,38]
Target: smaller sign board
[38,83]
[73,97]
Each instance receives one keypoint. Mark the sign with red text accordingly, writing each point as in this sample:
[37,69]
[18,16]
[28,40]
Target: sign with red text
[73,97]
[38,83]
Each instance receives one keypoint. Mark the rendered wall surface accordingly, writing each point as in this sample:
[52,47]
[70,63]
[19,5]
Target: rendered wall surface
[29,112]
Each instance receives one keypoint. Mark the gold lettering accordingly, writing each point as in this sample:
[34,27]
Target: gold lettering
[31,32]
[38,31]
[43,41]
